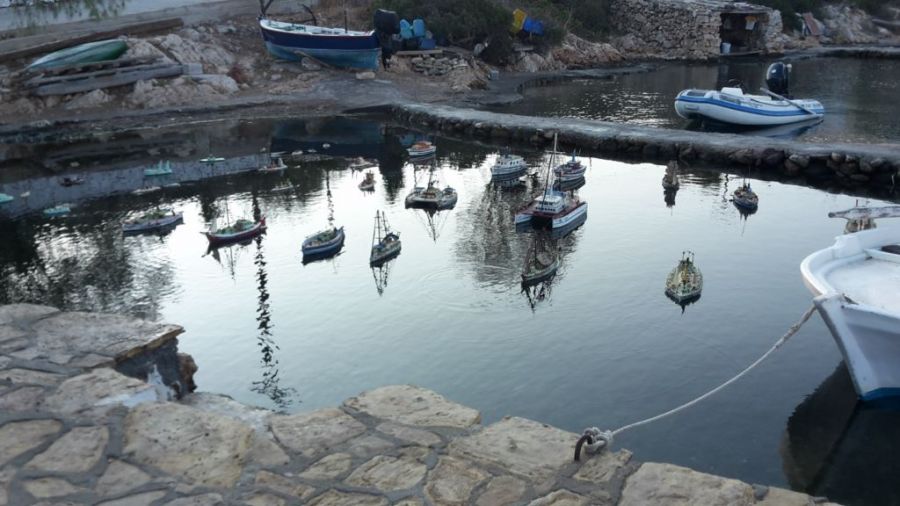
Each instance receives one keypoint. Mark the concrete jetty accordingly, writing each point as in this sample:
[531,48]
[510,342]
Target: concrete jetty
[862,166]
[98,409]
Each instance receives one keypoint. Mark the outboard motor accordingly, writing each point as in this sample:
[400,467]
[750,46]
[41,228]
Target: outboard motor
[778,78]
[386,22]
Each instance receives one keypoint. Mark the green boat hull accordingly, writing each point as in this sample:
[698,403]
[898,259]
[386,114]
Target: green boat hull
[85,53]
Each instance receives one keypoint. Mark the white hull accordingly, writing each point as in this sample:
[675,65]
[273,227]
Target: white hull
[557,222]
[855,285]
[732,106]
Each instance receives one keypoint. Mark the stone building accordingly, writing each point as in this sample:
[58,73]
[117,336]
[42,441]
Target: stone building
[695,29]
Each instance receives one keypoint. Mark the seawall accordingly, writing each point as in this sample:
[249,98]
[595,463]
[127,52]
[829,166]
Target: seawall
[98,409]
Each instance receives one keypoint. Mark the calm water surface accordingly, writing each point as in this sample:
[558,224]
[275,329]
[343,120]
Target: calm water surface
[600,345]
[859,96]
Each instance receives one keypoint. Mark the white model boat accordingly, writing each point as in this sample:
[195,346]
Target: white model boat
[508,166]
[421,149]
[685,283]
[855,284]
[553,209]
[573,170]
[275,164]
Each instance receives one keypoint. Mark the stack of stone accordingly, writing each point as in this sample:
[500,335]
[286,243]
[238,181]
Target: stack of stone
[436,66]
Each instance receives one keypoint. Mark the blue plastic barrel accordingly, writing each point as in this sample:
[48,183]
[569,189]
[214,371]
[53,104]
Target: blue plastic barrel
[418,27]
[405,29]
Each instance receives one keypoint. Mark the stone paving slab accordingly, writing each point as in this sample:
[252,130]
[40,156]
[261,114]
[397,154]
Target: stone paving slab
[87,434]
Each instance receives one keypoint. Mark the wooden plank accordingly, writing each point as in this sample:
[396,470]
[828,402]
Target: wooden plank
[132,29]
[120,79]
[43,81]
[423,52]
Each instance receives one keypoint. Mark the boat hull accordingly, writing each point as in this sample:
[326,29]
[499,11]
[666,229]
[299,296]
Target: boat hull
[358,51]
[380,256]
[85,53]
[223,239]
[712,105]
[534,278]
[323,250]
[554,222]
[152,225]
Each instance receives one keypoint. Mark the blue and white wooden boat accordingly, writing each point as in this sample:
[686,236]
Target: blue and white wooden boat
[733,106]
[334,46]
[854,284]
[323,244]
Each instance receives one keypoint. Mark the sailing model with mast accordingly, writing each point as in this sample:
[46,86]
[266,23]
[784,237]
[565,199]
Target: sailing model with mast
[239,230]
[385,242]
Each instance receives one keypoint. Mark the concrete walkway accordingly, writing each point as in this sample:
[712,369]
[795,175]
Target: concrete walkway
[81,424]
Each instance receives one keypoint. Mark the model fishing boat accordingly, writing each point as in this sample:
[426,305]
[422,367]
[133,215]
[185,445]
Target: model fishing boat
[71,180]
[60,210]
[745,198]
[337,47]
[368,183]
[685,282]
[385,243]
[84,53]
[323,244]
[421,150]
[240,230]
[275,164]
[541,264]
[431,196]
[508,166]
[162,169]
[361,163]
[572,170]
[553,209]
[158,219]
[731,105]
[670,178]
[854,284]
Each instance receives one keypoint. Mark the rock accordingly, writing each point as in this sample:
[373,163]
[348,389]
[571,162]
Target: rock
[6,476]
[275,77]
[17,438]
[310,65]
[8,333]
[222,83]
[198,500]
[99,388]
[562,498]
[201,447]
[329,468]
[283,485]
[143,499]
[675,485]
[791,168]
[600,469]
[363,76]
[312,434]
[388,474]
[412,405]
[410,435]
[29,377]
[523,447]
[189,51]
[120,477]
[43,488]
[335,498]
[140,48]
[452,481]
[759,491]
[800,160]
[22,399]
[263,499]
[368,445]
[77,451]
[502,490]
[782,497]
[89,100]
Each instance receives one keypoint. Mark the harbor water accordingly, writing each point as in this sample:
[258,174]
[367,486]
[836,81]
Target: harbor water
[598,345]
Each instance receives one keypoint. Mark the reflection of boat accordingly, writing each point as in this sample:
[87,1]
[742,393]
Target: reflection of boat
[855,284]
[59,210]
[334,46]
[162,169]
[282,188]
[385,243]
[670,178]
[146,190]
[209,160]
[508,166]
[4,198]
[154,220]
[90,52]
[573,170]
[323,244]
[361,163]
[745,197]
[71,180]
[541,263]
[276,164]
[685,282]
[368,183]
[791,131]
[421,149]
[240,230]
[568,186]
[836,447]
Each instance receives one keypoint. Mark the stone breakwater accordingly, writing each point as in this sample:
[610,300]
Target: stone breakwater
[862,166]
[77,427]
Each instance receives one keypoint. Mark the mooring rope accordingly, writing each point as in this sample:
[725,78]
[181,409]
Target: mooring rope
[595,440]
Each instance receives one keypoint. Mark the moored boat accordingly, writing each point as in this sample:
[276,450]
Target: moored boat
[146,190]
[854,285]
[508,166]
[421,150]
[161,169]
[157,219]
[385,242]
[71,180]
[368,183]
[90,52]
[333,46]
[553,210]
[572,170]
[209,160]
[58,210]
[240,230]
[323,244]
[275,164]
[744,197]
[432,197]
[685,283]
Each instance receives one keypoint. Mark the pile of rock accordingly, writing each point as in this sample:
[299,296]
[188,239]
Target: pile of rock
[436,66]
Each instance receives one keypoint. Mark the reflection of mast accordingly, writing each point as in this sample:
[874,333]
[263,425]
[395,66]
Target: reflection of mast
[381,273]
[433,222]
[330,202]
[535,294]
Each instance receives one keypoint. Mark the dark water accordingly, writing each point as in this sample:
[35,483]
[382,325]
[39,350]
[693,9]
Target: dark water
[859,96]
[600,345]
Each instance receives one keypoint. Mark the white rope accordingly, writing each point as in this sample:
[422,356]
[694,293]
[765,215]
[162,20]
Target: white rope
[600,438]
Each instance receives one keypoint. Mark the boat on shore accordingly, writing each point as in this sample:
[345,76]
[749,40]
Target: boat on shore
[162,169]
[323,244]
[685,283]
[854,284]
[240,230]
[745,198]
[337,47]
[508,166]
[385,242]
[152,221]
[368,183]
[90,52]
[573,170]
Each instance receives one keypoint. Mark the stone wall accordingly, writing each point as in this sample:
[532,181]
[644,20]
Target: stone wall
[680,29]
